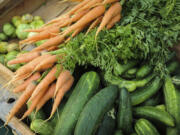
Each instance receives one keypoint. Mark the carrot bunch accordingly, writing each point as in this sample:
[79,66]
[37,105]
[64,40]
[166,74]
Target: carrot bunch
[41,83]
[87,14]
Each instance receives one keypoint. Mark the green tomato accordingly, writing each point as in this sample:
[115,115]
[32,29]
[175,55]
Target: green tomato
[8,29]
[3,47]
[15,19]
[11,55]
[27,18]
[3,37]
[14,67]
[37,24]
[2,57]
[13,47]
[21,34]
[38,43]
[37,18]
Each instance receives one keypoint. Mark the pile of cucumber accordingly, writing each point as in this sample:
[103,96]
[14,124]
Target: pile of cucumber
[150,106]
[12,32]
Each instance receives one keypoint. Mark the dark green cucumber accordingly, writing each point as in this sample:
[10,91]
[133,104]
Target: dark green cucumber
[161,107]
[154,100]
[119,69]
[144,127]
[155,114]
[86,87]
[141,95]
[172,99]
[118,132]
[144,70]
[94,111]
[130,85]
[36,115]
[108,126]
[41,127]
[125,112]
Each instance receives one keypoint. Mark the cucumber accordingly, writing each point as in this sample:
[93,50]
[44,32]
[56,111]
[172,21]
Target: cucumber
[139,96]
[144,70]
[172,99]
[41,127]
[172,131]
[118,132]
[144,127]
[130,74]
[83,91]
[107,127]
[94,111]
[161,107]
[154,100]
[130,85]
[119,69]
[125,112]
[154,114]
[172,66]
[36,115]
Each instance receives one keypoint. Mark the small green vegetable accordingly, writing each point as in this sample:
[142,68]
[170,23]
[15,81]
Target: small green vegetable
[2,57]
[37,18]
[3,47]
[8,29]
[37,24]
[27,18]
[16,20]
[3,37]
[21,34]
[13,47]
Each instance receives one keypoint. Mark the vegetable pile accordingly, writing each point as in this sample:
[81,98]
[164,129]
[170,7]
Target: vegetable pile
[134,59]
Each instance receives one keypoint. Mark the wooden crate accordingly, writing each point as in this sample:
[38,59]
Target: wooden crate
[47,9]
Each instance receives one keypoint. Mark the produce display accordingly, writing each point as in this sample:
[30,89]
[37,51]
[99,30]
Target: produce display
[9,47]
[105,67]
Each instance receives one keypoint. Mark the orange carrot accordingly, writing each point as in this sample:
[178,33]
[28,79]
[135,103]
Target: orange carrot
[21,101]
[109,1]
[89,5]
[94,24]
[90,16]
[49,60]
[48,95]
[50,77]
[46,67]
[111,12]
[24,59]
[34,103]
[23,86]
[29,67]
[51,42]
[77,16]
[52,48]
[42,35]
[114,20]
[61,94]
[63,77]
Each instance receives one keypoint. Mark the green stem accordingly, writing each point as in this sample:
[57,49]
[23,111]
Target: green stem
[122,2]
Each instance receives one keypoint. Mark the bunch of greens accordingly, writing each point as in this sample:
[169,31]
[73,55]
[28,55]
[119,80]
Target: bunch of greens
[146,32]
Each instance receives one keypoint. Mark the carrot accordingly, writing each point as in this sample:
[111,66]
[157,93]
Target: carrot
[114,20]
[46,67]
[21,101]
[48,95]
[23,86]
[34,103]
[89,5]
[42,35]
[51,42]
[63,77]
[24,59]
[50,77]
[111,12]
[109,1]
[77,16]
[49,60]
[94,24]
[91,15]
[52,48]
[29,67]
[61,94]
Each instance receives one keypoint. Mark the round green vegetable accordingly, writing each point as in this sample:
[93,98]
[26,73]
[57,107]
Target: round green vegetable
[14,67]
[16,20]
[11,55]
[27,18]
[37,24]
[13,47]
[37,18]
[3,37]
[3,47]
[21,34]
[13,35]
[8,29]
[2,56]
